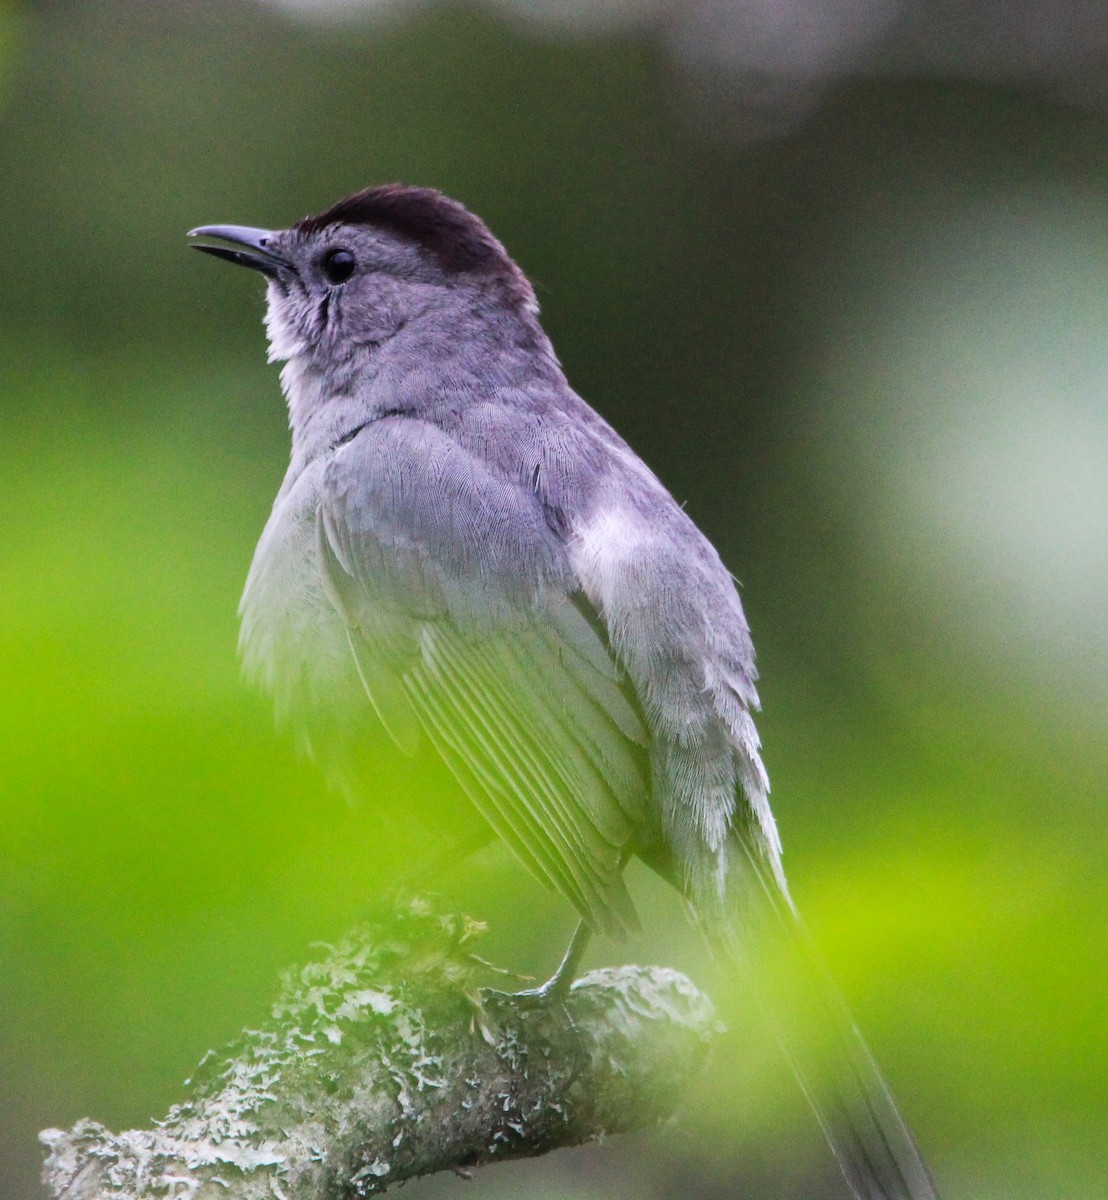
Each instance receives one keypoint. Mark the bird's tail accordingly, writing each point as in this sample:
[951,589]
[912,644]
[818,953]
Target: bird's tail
[871,1140]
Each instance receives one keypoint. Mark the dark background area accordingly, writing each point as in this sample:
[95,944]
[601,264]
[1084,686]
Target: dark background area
[839,277]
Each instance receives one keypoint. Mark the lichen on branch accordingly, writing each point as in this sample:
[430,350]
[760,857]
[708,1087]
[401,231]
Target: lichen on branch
[384,1060]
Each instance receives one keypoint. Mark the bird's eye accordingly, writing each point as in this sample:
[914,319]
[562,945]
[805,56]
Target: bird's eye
[338,265]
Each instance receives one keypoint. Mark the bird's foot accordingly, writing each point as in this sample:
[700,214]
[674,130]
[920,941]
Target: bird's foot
[553,991]
[556,988]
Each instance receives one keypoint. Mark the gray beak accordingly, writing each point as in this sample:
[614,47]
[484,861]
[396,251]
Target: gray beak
[248,247]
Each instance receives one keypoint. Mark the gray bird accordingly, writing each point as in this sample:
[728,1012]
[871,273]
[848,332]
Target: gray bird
[462,545]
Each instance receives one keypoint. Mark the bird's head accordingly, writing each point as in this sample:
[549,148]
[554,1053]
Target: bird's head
[347,280]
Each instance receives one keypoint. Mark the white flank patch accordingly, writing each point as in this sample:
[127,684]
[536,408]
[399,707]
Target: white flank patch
[601,550]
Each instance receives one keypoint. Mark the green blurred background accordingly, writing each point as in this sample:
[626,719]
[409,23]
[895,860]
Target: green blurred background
[842,287]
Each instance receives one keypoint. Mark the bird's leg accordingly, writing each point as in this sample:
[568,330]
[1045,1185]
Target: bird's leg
[556,987]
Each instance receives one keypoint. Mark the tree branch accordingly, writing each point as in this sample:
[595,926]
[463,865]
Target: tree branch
[384,1061]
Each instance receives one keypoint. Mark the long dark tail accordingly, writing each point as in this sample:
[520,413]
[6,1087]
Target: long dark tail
[871,1140]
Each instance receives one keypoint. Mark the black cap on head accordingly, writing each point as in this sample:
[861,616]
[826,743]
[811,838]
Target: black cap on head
[457,239]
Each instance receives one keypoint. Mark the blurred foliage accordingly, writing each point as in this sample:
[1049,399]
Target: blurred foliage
[805,336]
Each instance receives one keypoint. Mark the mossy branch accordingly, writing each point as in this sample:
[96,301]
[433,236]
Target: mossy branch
[384,1060]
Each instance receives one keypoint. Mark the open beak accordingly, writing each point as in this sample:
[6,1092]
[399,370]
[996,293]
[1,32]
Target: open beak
[246,247]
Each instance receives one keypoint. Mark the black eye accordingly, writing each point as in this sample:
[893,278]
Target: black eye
[338,265]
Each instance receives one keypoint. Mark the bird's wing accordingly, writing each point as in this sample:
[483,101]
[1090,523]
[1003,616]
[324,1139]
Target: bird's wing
[464,623]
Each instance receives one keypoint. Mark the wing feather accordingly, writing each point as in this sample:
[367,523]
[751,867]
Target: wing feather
[475,636]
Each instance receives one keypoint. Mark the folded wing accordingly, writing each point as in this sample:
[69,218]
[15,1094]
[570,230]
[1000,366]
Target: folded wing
[464,620]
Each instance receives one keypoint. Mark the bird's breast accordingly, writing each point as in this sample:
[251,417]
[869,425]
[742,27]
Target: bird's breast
[293,642]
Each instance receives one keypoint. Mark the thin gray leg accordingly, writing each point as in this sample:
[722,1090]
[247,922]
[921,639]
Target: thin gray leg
[559,983]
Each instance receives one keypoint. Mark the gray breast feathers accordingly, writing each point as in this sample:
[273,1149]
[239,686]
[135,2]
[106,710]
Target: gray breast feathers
[454,599]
